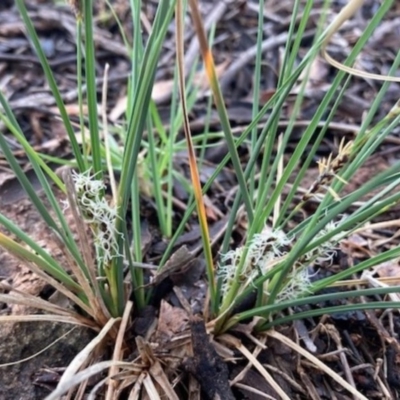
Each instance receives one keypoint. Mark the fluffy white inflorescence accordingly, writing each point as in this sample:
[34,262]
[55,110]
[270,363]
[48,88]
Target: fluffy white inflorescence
[298,280]
[263,249]
[270,245]
[298,283]
[327,249]
[98,214]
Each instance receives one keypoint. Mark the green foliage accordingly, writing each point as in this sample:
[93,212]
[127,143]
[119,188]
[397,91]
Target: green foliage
[274,261]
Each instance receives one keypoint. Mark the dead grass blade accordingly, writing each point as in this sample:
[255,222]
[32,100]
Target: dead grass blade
[84,354]
[93,393]
[345,14]
[194,173]
[219,101]
[237,343]
[256,352]
[29,300]
[212,18]
[49,318]
[118,354]
[161,378]
[82,376]
[129,381]
[255,391]
[150,388]
[317,363]
[135,392]
[55,284]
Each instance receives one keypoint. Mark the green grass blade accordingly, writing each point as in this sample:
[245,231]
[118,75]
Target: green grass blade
[90,70]
[32,35]
[220,104]
[38,256]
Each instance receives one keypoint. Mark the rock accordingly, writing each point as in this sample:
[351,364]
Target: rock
[19,341]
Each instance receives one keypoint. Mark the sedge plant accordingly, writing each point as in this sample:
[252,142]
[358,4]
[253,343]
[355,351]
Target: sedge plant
[102,268]
[276,264]
[276,259]
[267,261]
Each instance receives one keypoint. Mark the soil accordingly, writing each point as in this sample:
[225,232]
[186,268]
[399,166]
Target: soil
[33,375]
[352,344]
